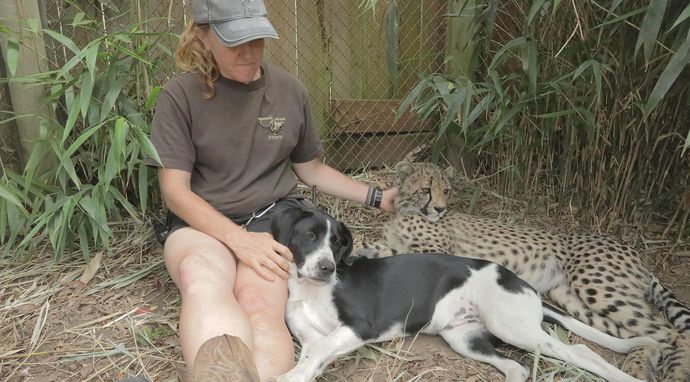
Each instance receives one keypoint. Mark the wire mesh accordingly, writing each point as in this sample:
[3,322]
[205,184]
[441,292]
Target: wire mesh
[357,65]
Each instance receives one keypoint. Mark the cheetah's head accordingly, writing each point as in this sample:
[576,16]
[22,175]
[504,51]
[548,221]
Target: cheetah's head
[423,188]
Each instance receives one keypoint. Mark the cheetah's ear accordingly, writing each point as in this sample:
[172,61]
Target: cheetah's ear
[449,172]
[403,169]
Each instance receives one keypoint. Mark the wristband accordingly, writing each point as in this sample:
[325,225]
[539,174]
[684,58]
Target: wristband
[378,196]
[374,196]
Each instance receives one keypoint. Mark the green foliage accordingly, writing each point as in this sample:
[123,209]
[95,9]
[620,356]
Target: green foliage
[587,97]
[97,142]
[150,335]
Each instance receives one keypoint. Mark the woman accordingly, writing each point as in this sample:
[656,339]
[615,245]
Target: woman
[232,132]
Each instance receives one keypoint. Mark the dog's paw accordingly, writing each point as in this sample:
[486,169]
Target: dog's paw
[291,376]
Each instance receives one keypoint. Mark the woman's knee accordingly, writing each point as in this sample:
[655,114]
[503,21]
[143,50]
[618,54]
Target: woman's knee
[199,274]
[260,305]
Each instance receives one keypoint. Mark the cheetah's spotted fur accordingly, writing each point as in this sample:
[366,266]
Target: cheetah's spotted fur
[594,278]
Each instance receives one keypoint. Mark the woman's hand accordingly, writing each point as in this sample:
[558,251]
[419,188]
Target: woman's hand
[259,251]
[388,199]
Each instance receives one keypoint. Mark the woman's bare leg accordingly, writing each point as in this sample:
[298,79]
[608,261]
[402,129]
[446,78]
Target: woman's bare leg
[208,277]
[264,304]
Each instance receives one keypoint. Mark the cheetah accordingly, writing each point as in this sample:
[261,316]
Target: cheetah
[593,278]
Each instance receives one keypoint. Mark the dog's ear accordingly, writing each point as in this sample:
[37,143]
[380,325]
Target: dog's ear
[283,223]
[344,249]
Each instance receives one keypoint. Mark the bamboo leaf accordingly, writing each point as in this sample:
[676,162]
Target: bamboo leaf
[115,153]
[4,222]
[556,114]
[580,69]
[556,3]
[112,165]
[532,66]
[151,99]
[512,44]
[17,224]
[78,19]
[145,143]
[91,56]
[410,98]
[85,93]
[507,117]
[143,185]
[481,108]
[38,151]
[456,99]
[682,17]
[95,212]
[12,55]
[497,86]
[651,25]
[64,70]
[38,225]
[12,198]
[114,86]
[442,86]
[467,104]
[120,135]
[84,241]
[131,53]
[117,195]
[68,165]
[63,40]
[72,116]
[80,140]
[686,145]
[673,69]
[596,71]
[621,17]
[615,5]
[534,9]
[34,25]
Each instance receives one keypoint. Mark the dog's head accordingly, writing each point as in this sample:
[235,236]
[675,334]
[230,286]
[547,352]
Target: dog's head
[317,241]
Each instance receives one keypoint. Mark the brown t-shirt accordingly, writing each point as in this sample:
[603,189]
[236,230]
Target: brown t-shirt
[238,145]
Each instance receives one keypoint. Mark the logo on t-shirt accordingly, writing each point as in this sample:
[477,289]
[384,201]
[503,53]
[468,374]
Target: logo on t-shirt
[273,124]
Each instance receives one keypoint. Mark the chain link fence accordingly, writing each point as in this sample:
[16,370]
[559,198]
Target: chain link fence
[356,64]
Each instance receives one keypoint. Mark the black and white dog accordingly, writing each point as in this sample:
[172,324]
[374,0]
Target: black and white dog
[338,303]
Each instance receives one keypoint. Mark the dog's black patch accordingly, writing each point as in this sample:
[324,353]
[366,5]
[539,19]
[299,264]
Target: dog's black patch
[484,343]
[411,285]
[511,283]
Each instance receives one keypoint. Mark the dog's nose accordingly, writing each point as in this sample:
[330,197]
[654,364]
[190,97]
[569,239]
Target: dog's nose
[326,267]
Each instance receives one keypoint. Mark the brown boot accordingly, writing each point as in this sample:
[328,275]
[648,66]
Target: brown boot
[224,359]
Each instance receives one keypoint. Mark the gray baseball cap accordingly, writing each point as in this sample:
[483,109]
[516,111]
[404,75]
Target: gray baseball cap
[234,21]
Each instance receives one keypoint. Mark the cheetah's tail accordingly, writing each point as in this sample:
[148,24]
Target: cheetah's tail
[616,344]
[675,311]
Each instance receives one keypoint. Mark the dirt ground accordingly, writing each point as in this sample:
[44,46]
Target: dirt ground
[67,321]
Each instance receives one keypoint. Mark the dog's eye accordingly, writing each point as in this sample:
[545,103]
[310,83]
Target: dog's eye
[310,236]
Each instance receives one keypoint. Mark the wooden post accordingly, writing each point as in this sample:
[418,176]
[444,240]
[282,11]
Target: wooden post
[26,100]
[459,50]
[459,36]
[9,140]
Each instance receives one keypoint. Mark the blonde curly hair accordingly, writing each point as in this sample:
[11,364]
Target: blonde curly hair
[192,56]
